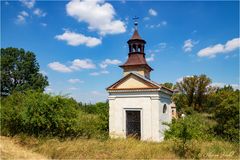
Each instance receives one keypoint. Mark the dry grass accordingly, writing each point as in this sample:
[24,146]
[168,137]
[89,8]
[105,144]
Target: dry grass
[11,150]
[120,149]
[114,149]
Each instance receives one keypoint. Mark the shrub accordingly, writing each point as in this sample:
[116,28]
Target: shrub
[101,110]
[195,126]
[227,115]
[184,131]
[39,114]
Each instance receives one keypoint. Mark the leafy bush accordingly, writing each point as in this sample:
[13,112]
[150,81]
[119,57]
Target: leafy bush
[40,114]
[184,130]
[227,115]
[195,126]
[101,109]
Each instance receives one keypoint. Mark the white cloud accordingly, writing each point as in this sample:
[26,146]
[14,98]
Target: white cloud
[164,23]
[28,3]
[72,88]
[152,12]
[95,74]
[78,64]
[123,1]
[95,93]
[38,12]
[56,66]
[212,51]
[157,48]
[162,45]
[161,24]
[24,13]
[105,72]
[146,18]
[99,73]
[43,72]
[188,45]
[107,62]
[151,58]
[98,14]
[181,78]
[221,85]
[194,31]
[75,81]
[75,39]
[48,89]
[21,17]
[43,24]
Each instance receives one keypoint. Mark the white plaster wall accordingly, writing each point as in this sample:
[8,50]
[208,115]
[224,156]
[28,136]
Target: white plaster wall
[149,103]
[164,117]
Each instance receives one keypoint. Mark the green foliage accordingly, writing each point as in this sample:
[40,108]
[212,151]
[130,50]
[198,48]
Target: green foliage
[90,126]
[181,102]
[183,131]
[197,96]
[191,127]
[194,89]
[39,114]
[227,114]
[20,71]
[168,85]
[101,109]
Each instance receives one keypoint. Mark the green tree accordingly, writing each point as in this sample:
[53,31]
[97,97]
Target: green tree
[20,71]
[188,87]
[168,85]
[202,88]
[227,113]
[194,88]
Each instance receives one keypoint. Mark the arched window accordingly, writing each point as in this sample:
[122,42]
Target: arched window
[164,108]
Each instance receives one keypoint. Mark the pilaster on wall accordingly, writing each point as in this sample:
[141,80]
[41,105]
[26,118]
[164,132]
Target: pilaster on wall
[111,116]
[155,111]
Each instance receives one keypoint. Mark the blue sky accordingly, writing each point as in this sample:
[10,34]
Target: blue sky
[80,44]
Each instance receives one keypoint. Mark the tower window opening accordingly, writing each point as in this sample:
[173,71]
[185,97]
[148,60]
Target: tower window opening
[139,48]
[134,49]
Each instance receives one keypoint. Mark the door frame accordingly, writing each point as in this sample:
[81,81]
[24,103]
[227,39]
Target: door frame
[125,120]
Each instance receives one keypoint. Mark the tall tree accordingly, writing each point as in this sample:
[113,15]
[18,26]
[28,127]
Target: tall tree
[20,71]
[195,89]
[202,88]
[188,87]
[168,85]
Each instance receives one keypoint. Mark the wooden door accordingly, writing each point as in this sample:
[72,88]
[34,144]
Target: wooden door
[133,124]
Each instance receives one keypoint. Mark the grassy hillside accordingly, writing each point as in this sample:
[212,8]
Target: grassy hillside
[113,149]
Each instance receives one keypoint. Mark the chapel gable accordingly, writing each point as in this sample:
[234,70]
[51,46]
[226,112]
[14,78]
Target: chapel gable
[132,81]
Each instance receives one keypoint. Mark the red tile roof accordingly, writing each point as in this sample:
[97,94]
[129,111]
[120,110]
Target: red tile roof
[135,59]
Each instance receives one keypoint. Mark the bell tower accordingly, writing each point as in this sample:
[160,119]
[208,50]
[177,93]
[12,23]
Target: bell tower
[136,61]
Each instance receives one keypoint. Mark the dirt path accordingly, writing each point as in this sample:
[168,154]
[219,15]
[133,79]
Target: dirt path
[10,150]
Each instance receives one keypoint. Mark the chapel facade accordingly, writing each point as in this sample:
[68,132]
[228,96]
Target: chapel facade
[138,106]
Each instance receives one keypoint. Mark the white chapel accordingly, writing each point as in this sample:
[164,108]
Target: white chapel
[138,106]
